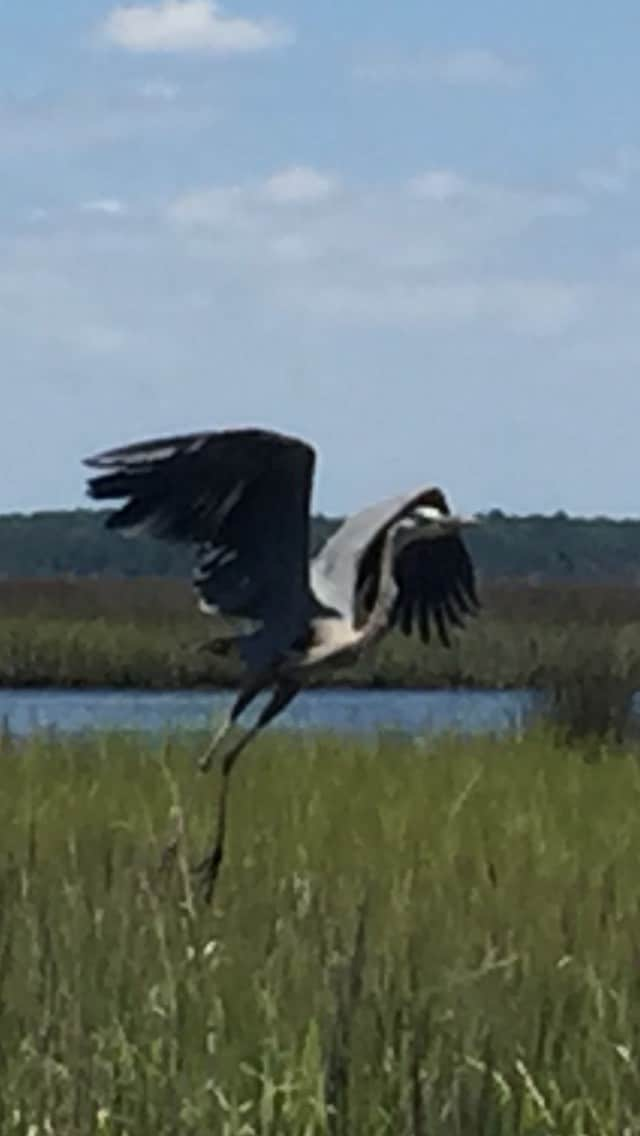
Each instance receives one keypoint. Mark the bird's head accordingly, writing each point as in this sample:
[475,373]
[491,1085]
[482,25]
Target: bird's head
[428,522]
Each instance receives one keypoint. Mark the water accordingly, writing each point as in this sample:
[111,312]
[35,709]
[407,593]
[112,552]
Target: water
[352,711]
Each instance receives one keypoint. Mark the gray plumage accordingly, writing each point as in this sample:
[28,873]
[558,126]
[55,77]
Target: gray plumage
[241,498]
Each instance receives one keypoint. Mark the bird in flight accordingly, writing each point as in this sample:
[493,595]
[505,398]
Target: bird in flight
[241,498]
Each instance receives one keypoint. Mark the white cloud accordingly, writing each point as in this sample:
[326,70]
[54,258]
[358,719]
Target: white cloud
[299,184]
[84,120]
[478,67]
[465,67]
[250,206]
[190,26]
[107,206]
[537,307]
[158,90]
[438,185]
[417,222]
[433,301]
[213,207]
[387,256]
[40,288]
[291,248]
[603,181]
[615,178]
[446,186]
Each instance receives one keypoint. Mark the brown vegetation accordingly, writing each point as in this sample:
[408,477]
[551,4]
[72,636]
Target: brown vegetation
[147,633]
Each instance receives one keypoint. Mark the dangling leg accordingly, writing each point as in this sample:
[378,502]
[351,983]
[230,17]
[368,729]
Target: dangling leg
[242,701]
[209,867]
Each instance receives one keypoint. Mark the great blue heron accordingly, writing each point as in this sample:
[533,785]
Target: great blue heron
[241,497]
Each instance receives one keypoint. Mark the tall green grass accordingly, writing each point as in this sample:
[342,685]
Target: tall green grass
[409,936]
[146,633]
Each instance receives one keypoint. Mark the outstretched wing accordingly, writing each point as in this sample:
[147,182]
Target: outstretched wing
[436,587]
[435,577]
[241,497]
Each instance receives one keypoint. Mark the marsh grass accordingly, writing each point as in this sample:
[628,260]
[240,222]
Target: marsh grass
[146,633]
[592,696]
[408,937]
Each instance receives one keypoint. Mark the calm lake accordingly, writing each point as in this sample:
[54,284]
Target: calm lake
[358,711]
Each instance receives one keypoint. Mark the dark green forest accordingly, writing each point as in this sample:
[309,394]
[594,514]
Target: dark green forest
[533,547]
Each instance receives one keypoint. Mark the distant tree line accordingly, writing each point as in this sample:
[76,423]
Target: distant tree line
[534,547]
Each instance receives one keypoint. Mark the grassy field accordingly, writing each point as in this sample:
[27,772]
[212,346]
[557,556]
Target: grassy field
[430,939]
[146,632]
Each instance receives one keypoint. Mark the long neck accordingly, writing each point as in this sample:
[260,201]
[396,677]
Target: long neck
[378,621]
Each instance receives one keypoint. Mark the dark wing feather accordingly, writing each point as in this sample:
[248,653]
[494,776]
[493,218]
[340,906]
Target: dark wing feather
[241,497]
[436,582]
[346,571]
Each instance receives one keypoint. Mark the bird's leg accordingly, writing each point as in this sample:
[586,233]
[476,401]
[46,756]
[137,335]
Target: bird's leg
[209,867]
[206,761]
[242,701]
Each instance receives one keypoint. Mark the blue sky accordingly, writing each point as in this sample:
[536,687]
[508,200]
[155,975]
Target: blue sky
[406,232]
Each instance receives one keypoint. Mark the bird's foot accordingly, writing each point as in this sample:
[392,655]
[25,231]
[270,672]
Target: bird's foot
[213,749]
[207,872]
[206,761]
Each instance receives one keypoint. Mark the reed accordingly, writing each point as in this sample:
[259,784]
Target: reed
[592,694]
[408,937]
[145,633]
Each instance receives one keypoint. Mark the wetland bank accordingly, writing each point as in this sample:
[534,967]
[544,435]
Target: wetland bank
[146,633]
[410,934]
